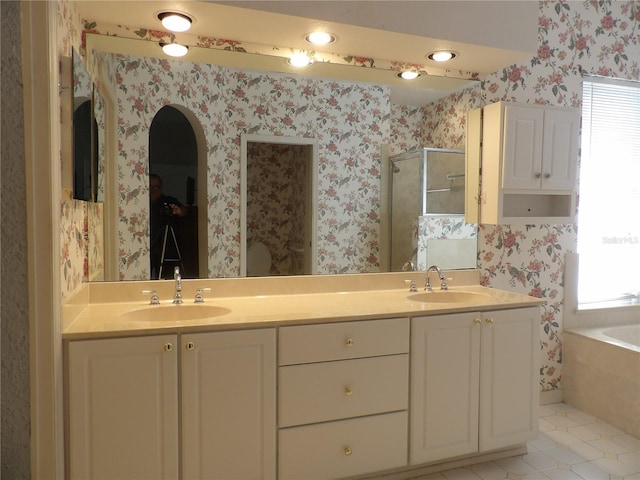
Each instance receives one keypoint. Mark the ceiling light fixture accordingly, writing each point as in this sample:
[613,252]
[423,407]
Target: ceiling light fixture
[175,21]
[320,38]
[174,49]
[300,60]
[408,74]
[442,56]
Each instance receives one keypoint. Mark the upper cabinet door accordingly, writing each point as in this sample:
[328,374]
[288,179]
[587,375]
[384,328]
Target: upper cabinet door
[523,134]
[560,149]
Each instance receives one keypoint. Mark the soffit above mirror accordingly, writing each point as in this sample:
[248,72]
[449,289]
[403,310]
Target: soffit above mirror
[287,32]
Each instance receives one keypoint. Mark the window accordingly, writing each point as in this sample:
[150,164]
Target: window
[609,207]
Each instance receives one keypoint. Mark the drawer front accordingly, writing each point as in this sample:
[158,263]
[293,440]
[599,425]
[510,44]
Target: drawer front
[343,448]
[338,341]
[320,392]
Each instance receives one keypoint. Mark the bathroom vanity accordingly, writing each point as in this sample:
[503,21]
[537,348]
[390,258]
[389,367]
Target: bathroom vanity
[313,378]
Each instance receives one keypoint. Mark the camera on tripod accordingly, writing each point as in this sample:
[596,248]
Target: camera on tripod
[167,211]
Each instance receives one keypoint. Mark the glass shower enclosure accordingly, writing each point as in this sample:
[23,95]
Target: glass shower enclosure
[427,201]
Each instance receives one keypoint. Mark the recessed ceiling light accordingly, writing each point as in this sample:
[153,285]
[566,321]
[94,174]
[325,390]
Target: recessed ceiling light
[174,49]
[320,38]
[441,56]
[300,60]
[409,75]
[175,21]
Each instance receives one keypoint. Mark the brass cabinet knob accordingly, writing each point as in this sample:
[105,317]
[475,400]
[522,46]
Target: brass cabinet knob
[348,392]
[168,347]
[347,451]
[477,321]
[190,346]
[349,342]
[490,321]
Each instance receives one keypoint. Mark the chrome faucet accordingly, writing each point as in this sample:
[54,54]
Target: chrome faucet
[177,296]
[443,281]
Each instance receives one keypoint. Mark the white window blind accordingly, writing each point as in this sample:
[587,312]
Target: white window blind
[609,205]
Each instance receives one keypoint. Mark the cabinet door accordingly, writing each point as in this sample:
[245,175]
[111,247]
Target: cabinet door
[445,355]
[522,137]
[123,408]
[560,149]
[509,377]
[229,405]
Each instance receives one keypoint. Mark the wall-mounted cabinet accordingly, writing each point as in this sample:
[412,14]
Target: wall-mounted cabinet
[529,163]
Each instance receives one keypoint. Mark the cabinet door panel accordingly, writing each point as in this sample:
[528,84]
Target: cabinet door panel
[228,405]
[509,387]
[445,353]
[123,408]
[522,136]
[560,149]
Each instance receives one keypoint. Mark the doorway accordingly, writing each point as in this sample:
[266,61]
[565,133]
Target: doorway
[174,158]
[278,198]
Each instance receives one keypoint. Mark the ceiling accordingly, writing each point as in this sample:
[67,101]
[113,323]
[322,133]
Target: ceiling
[388,30]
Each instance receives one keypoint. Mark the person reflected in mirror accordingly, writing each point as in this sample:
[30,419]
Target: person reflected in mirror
[163,210]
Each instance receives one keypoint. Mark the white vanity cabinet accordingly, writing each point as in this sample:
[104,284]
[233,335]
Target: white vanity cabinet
[124,418]
[343,398]
[474,383]
[529,163]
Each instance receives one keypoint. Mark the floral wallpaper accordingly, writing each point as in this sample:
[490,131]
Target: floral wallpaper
[74,225]
[597,37]
[450,228]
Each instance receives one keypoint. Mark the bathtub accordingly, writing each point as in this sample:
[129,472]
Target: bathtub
[601,374]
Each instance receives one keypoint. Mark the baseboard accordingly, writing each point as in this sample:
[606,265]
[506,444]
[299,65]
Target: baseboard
[550,396]
[412,472]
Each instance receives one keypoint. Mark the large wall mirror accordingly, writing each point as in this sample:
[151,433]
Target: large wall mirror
[225,101]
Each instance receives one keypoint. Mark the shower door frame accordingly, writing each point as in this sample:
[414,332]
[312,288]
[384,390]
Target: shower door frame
[411,154]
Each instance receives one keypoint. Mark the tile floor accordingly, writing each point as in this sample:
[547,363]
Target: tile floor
[572,446]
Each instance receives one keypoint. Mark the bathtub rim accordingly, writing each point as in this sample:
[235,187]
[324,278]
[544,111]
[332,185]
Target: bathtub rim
[597,334]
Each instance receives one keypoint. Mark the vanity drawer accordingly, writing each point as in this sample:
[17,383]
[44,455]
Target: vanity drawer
[320,392]
[338,341]
[343,448]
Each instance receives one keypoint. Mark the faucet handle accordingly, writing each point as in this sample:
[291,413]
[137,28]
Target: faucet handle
[413,287]
[199,296]
[155,299]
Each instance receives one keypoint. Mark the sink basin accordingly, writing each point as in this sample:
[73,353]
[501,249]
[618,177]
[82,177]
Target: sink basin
[448,296]
[173,313]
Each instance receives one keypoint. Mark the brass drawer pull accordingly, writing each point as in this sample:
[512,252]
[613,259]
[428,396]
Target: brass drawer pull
[349,342]
[348,392]
[348,452]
